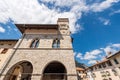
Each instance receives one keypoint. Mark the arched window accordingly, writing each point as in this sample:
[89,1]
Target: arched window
[93,75]
[56,43]
[115,72]
[103,74]
[115,60]
[107,73]
[109,63]
[35,43]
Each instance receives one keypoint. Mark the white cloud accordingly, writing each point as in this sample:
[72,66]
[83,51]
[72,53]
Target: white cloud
[79,55]
[95,52]
[116,45]
[114,12]
[89,55]
[64,3]
[104,21]
[109,49]
[31,11]
[92,54]
[98,54]
[2,30]
[98,7]
[113,48]
[92,62]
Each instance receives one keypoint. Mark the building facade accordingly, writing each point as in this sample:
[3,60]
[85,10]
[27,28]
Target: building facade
[81,73]
[43,53]
[108,69]
[6,49]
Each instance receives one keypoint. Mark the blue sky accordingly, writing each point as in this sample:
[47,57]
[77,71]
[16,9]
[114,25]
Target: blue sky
[95,25]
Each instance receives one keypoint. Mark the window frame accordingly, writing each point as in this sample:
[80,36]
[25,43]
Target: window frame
[35,43]
[56,43]
[109,63]
[4,51]
[115,61]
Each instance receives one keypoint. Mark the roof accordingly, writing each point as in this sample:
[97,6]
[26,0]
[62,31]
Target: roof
[79,69]
[23,27]
[105,60]
[114,55]
[8,39]
[97,63]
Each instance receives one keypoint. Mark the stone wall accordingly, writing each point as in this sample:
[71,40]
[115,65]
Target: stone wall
[40,58]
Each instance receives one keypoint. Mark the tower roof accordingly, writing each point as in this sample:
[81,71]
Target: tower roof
[23,27]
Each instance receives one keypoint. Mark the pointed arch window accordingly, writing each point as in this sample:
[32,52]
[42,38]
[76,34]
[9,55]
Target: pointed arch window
[56,43]
[35,43]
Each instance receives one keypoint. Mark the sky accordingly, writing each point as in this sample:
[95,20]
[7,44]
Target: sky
[95,24]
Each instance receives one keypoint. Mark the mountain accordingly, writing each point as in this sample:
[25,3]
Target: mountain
[81,65]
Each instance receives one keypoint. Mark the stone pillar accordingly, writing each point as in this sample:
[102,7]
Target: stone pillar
[36,77]
[72,77]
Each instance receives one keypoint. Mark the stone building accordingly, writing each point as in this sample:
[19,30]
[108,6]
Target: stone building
[81,73]
[43,53]
[108,69]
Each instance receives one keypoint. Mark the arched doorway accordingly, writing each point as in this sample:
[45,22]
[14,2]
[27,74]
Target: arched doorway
[55,71]
[20,71]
